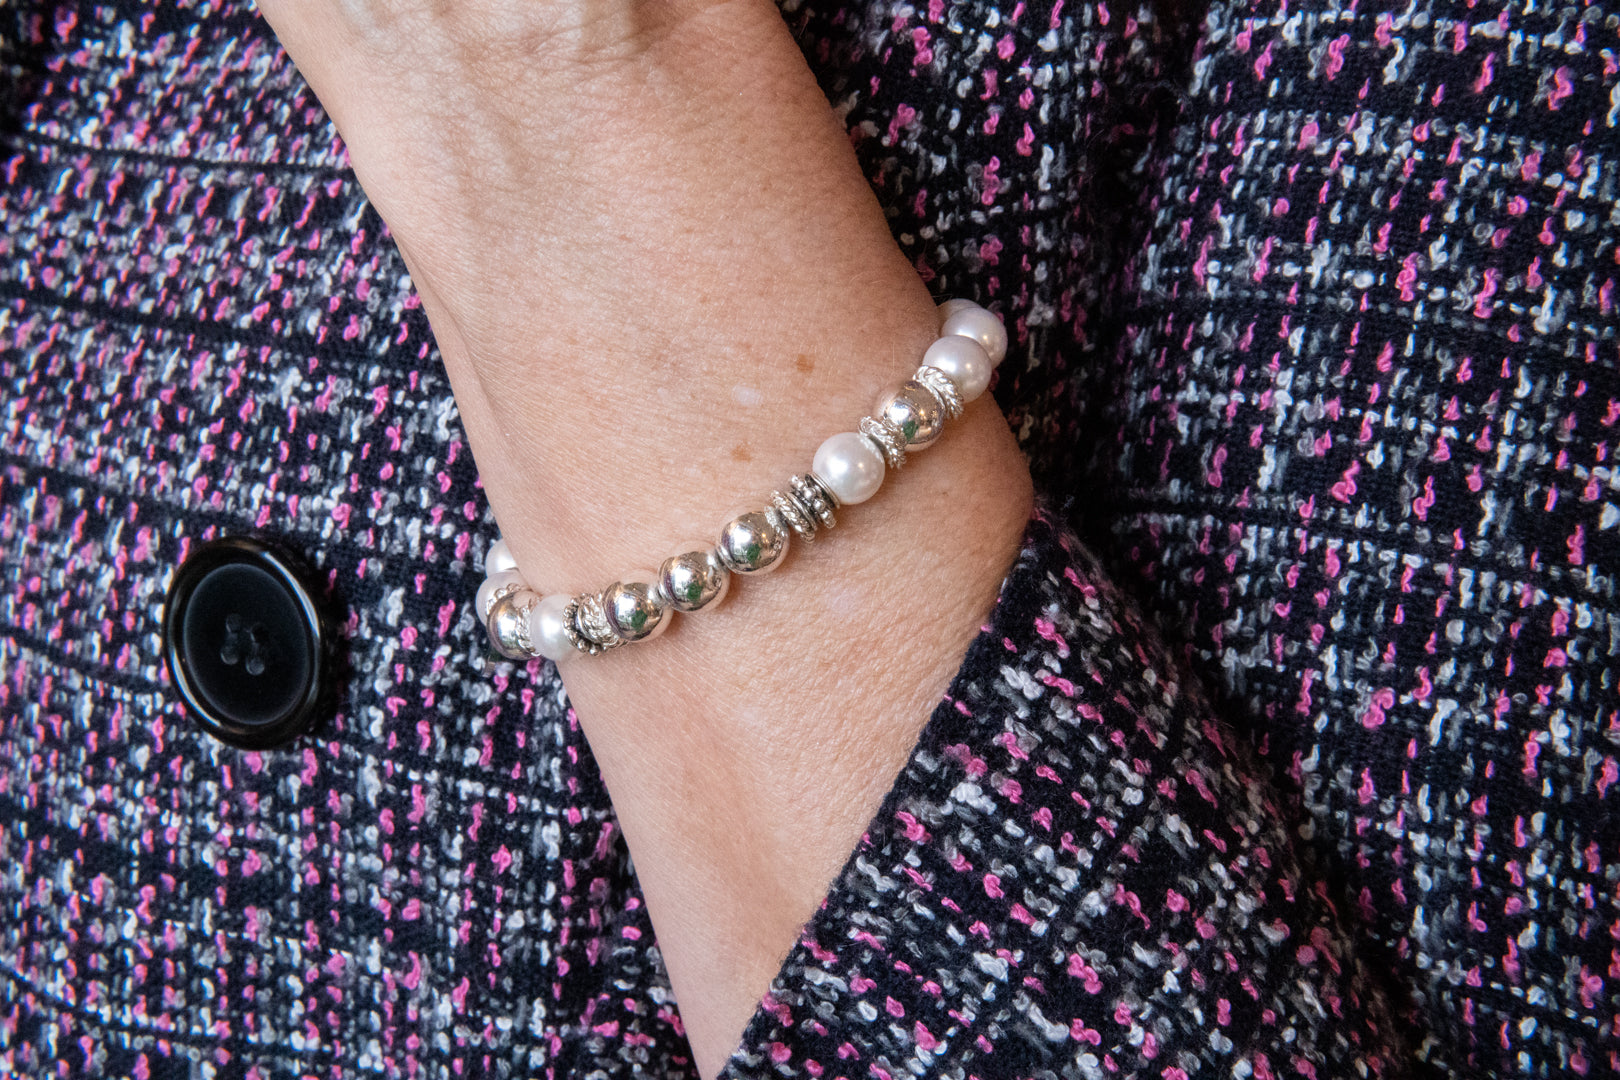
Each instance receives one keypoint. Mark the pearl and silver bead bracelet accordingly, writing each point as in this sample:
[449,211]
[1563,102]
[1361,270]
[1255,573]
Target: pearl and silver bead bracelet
[847,469]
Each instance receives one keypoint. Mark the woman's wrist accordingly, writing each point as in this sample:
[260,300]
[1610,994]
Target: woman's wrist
[656,287]
[847,469]
[747,750]
[653,283]
[706,441]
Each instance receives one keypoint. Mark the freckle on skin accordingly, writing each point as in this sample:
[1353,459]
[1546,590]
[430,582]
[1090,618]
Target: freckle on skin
[740,452]
[804,364]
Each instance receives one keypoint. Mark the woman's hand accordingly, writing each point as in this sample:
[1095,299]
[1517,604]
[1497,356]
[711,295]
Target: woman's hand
[658,281]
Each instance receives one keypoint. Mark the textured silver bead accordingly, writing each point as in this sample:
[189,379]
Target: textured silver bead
[693,578]
[634,609]
[910,408]
[889,439]
[796,514]
[508,624]
[806,506]
[754,542]
[944,390]
[575,638]
[493,587]
[593,623]
[814,494]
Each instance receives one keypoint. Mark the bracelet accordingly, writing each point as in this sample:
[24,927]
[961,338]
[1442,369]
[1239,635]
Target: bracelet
[847,469]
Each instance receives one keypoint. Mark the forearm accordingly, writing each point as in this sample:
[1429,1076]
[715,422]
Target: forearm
[657,286]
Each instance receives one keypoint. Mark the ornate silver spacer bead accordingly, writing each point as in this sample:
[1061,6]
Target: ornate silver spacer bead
[796,514]
[496,596]
[944,390]
[593,622]
[571,628]
[522,604]
[889,438]
[814,495]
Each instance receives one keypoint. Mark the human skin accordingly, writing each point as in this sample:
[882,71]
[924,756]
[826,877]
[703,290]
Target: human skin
[658,280]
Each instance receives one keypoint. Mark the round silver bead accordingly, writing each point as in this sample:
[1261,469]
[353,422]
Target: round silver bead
[634,609]
[753,542]
[912,408]
[693,578]
[508,624]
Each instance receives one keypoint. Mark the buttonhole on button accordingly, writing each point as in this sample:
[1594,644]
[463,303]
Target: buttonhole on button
[230,650]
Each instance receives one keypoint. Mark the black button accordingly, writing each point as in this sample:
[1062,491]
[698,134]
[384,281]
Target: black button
[248,645]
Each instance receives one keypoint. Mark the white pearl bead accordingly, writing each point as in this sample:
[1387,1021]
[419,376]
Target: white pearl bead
[499,558]
[493,583]
[953,305]
[964,360]
[547,632]
[850,467]
[981,326]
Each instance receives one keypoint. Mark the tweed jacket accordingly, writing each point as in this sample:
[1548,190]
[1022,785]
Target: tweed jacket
[1290,749]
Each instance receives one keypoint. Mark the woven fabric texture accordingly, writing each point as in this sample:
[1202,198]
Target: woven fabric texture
[1290,749]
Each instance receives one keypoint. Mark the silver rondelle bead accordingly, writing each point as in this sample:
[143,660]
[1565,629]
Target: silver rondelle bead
[807,505]
[812,493]
[493,588]
[508,624]
[633,607]
[912,408]
[890,440]
[591,621]
[753,542]
[575,616]
[797,515]
[693,578]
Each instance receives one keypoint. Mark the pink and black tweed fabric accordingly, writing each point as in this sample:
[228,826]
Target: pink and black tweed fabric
[1292,748]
